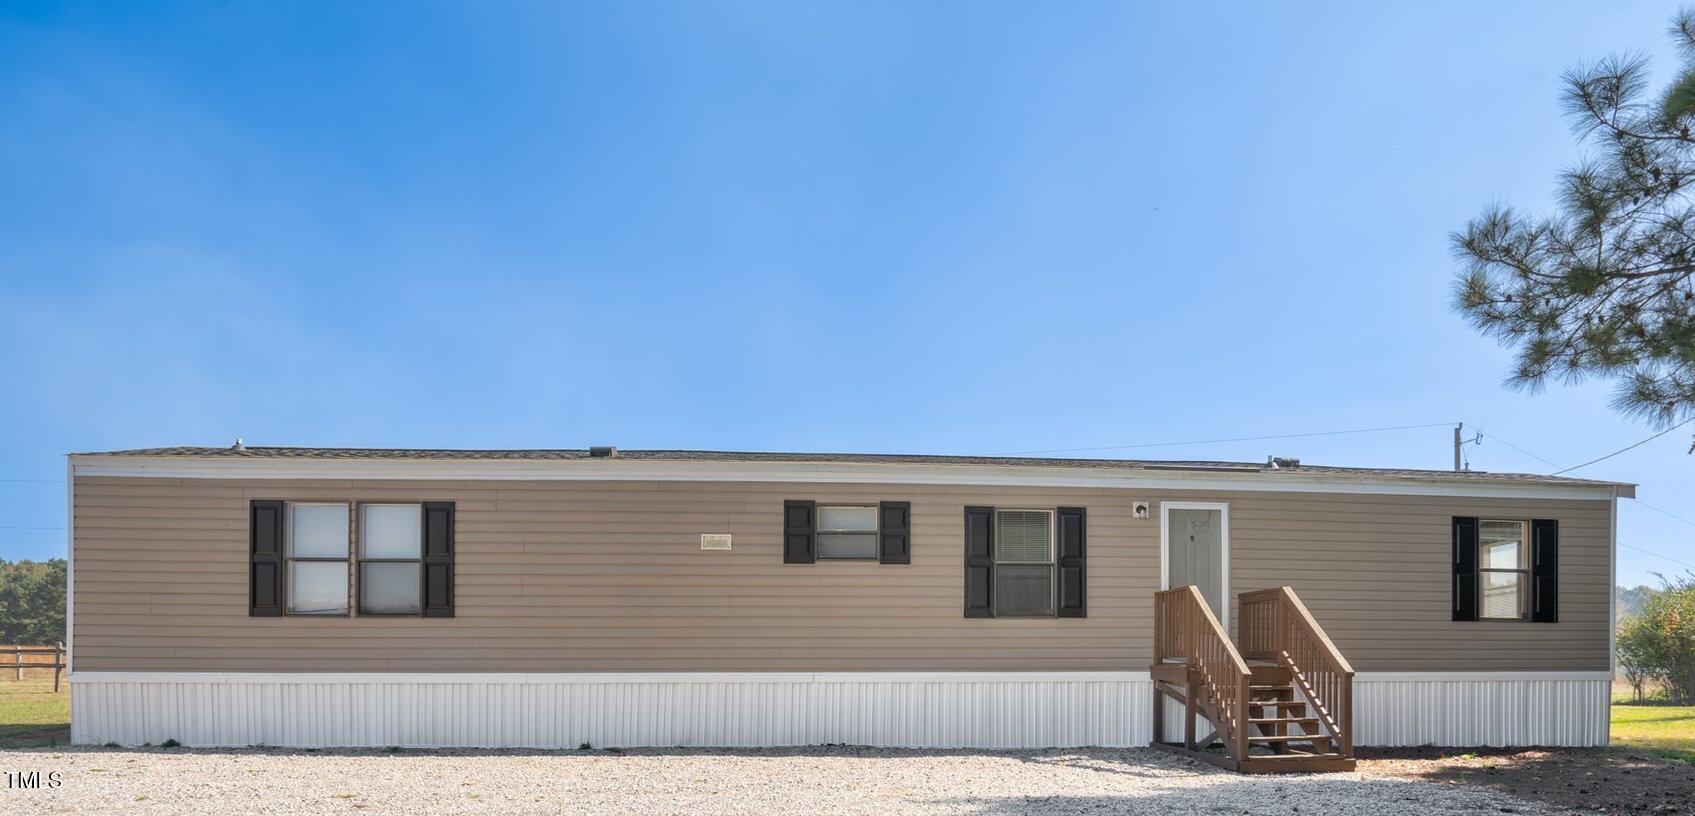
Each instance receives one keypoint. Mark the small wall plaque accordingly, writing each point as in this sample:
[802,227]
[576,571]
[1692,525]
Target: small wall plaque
[715,541]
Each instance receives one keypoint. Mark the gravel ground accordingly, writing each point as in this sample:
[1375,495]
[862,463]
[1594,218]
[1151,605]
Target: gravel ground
[648,782]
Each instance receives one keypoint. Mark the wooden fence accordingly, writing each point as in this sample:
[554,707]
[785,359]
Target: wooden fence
[34,658]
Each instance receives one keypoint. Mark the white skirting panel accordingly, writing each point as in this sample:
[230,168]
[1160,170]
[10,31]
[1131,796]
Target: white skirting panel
[1464,709]
[916,710]
[1481,708]
[965,709]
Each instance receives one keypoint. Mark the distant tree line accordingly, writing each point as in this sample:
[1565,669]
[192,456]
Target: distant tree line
[32,602]
[1656,645]
[1630,600]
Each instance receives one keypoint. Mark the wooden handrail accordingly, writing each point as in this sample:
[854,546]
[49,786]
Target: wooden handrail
[1185,628]
[1276,626]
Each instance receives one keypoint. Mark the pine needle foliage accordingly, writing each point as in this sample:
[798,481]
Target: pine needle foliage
[1606,287]
[32,602]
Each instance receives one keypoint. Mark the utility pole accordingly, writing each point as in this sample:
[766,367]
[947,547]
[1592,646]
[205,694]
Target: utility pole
[1457,443]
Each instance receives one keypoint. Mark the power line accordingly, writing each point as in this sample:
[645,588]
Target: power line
[1628,447]
[1482,432]
[1638,501]
[1657,555]
[10,527]
[1233,439]
[36,481]
[1664,512]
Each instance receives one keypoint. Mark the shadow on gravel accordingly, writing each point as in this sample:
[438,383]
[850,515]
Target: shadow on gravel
[1236,793]
[1598,780]
[1142,764]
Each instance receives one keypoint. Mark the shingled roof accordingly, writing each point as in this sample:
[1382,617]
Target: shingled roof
[569,454]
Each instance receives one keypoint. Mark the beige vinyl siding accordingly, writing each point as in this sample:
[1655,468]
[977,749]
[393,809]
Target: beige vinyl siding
[609,576]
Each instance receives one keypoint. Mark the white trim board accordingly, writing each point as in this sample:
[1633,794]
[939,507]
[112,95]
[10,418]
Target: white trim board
[70,562]
[1478,676]
[187,467]
[535,678]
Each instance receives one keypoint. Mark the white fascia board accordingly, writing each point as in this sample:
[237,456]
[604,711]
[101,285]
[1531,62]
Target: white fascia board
[188,467]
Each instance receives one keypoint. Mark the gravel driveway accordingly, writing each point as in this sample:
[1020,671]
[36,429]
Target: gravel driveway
[875,782]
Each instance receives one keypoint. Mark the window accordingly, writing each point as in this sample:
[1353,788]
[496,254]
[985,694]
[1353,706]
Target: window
[303,559]
[390,559]
[847,533]
[317,559]
[1503,570]
[1023,563]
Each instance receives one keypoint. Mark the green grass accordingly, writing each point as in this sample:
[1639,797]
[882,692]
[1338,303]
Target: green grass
[30,708]
[1665,730]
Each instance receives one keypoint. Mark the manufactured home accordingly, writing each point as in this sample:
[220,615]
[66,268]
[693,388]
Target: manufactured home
[1276,612]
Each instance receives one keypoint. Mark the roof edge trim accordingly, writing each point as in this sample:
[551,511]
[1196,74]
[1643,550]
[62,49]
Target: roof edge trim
[1288,481]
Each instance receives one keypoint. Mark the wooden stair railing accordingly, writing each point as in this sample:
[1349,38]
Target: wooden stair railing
[1275,626]
[1185,628]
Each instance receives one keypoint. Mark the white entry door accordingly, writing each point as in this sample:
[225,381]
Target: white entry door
[1197,550]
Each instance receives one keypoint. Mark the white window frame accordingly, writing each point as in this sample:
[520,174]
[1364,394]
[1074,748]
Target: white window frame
[353,562]
[356,550]
[876,532]
[1523,570]
[288,559]
[1052,563]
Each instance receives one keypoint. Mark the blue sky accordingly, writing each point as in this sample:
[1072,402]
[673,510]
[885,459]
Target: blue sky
[945,228]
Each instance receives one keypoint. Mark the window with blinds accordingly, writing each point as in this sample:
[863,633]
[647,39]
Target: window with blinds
[316,553]
[391,553]
[316,557]
[847,533]
[1503,569]
[1023,563]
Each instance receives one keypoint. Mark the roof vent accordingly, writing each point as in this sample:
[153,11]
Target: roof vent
[603,452]
[238,446]
[1279,463]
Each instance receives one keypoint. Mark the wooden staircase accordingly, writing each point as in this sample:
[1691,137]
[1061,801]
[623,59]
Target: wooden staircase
[1282,703]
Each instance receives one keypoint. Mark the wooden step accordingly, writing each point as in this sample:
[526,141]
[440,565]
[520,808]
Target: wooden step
[1277,720]
[1313,738]
[1279,704]
[1297,763]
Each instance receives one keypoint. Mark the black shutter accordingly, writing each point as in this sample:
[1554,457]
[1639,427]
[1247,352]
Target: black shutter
[979,562]
[800,532]
[1545,570]
[438,560]
[1073,534]
[265,565]
[894,529]
[1465,568]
